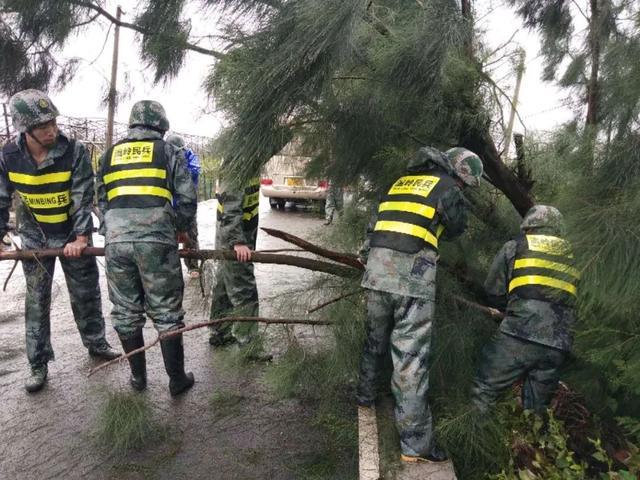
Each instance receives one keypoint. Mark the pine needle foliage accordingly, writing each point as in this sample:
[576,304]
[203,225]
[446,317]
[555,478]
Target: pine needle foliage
[126,423]
[351,78]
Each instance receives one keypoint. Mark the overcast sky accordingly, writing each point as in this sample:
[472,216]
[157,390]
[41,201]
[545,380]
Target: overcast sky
[185,101]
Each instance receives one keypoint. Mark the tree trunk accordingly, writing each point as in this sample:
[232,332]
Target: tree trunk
[594,47]
[481,143]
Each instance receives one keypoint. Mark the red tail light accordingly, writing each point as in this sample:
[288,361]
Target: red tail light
[266,181]
[323,184]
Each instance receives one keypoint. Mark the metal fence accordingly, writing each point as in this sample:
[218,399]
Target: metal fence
[92,132]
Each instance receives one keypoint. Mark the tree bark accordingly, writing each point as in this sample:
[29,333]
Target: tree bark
[188,328]
[346,258]
[302,262]
[480,142]
[594,47]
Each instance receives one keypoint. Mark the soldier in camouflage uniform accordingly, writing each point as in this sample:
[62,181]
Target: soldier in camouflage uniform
[422,207]
[533,277]
[193,165]
[235,290]
[53,177]
[334,202]
[138,179]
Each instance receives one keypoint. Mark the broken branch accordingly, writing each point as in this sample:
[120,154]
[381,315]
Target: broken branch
[345,258]
[302,262]
[188,328]
[334,300]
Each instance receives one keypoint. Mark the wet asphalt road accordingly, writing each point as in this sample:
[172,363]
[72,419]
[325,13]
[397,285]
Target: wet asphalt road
[51,434]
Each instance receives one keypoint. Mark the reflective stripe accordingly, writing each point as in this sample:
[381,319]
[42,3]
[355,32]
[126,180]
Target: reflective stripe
[62,217]
[40,179]
[139,190]
[135,173]
[407,229]
[251,200]
[411,207]
[46,200]
[439,230]
[537,262]
[542,280]
[220,207]
[249,215]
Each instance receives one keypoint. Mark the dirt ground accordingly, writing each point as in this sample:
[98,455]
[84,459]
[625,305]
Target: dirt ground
[51,434]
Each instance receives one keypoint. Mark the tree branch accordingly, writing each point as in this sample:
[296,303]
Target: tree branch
[345,258]
[101,11]
[302,262]
[188,328]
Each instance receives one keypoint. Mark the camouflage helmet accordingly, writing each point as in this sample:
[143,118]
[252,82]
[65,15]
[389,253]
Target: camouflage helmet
[429,155]
[540,216]
[175,140]
[30,108]
[148,113]
[467,165]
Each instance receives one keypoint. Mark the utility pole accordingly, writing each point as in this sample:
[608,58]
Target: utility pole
[114,76]
[516,95]
[6,121]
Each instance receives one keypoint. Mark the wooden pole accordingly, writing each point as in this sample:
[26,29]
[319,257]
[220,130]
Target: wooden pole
[114,77]
[6,122]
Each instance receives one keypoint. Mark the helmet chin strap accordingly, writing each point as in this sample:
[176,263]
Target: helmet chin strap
[28,132]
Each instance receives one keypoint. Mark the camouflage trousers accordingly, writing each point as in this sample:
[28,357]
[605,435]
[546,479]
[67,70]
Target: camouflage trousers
[235,294]
[334,202]
[404,324]
[144,278]
[507,359]
[192,263]
[81,275]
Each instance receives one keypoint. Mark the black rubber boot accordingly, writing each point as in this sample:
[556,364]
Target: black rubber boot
[173,356]
[137,362]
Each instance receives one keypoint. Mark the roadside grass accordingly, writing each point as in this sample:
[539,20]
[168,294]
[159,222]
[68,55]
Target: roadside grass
[324,376]
[126,423]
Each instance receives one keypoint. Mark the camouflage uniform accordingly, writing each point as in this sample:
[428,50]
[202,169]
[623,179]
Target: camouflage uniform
[400,307]
[334,202]
[143,267]
[81,274]
[138,180]
[532,342]
[235,290]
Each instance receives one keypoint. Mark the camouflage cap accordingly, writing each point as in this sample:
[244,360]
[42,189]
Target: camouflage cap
[175,140]
[148,113]
[429,155]
[541,216]
[467,165]
[30,108]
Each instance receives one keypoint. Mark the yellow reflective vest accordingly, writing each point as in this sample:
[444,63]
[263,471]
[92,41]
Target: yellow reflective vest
[135,174]
[544,269]
[407,215]
[250,205]
[46,192]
